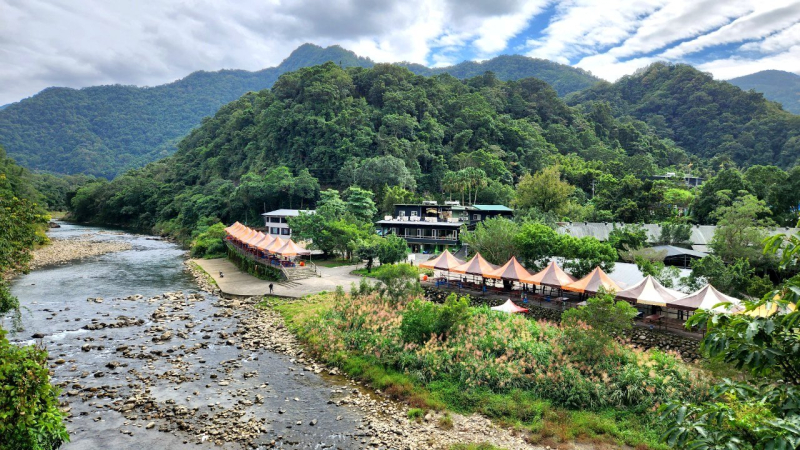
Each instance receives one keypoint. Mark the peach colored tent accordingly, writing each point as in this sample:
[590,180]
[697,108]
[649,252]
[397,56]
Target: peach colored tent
[247,235]
[511,271]
[292,249]
[592,283]
[706,298]
[650,292]
[264,245]
[552,276]
[475,266]
[445,261]
[255,239]
[276,244]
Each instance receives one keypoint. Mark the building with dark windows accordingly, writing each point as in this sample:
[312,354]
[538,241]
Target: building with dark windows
[431,227]
[276,224]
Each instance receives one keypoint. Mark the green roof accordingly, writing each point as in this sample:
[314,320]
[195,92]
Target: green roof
[492,208]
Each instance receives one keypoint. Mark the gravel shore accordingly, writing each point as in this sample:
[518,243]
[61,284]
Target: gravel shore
[62,251]
[388,425]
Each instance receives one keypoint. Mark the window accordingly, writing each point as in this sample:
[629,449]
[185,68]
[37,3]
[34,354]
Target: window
[274,230]
[274,220]
[286,231]
[394,230]
[414,213]
[476,217]
[419,232]
[402,213]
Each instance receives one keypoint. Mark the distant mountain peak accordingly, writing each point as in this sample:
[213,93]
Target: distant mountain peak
[776,85]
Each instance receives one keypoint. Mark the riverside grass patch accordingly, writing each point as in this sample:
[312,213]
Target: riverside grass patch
[521,373]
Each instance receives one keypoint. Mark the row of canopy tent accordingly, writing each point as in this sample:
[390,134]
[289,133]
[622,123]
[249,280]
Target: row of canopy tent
[648,291]
[552,275]
[259,241]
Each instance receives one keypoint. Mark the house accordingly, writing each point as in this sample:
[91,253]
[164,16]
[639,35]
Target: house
[431,227]
[276,224]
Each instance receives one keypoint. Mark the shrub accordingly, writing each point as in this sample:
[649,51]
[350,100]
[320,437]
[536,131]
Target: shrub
[29,414]
[423,319]
[209,243]
[416,414]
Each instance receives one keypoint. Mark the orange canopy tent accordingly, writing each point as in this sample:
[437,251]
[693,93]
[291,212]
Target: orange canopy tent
[264,244]
[707,298]
[292,249]
[275,245]
[475,266]
[445,261]
[255,239]
[552,276]
[650,292]
[246,236]
[592,283]
[510,271]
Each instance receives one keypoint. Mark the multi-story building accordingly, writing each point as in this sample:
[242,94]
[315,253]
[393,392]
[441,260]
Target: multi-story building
[276,224]
[431,227]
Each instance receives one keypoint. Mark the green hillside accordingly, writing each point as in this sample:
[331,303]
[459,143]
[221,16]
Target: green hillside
[776,85]
[105,130]
[337,127]
[564,79]
[708,118]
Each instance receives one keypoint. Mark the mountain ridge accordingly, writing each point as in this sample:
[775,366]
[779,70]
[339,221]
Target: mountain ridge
[776,85]
[105,130]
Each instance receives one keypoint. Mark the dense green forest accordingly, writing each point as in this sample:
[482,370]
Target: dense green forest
[708,118]
[776,85]
[104,130]
[564,79]
[402,135]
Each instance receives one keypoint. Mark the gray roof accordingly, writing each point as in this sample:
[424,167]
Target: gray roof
[287,212]
[678,251]
[701,234]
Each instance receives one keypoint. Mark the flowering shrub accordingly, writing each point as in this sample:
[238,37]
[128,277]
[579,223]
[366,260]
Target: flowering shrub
[500,353]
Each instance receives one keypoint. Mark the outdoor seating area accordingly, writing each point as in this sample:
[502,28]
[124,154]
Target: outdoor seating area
[272,250]
[554,288]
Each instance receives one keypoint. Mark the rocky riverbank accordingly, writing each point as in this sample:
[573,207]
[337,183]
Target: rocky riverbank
[388,425]
[62,251]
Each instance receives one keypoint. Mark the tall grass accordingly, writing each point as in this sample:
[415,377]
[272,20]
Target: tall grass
[521,373]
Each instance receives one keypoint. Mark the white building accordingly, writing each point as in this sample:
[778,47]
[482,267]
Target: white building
[276,223]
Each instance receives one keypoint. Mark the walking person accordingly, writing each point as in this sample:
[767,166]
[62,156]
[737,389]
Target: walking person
[270,288]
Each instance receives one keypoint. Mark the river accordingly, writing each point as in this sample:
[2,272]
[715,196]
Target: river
[200,376]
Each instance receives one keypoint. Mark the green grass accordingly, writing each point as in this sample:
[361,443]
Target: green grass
[376,271]
[333,262]
[539,421]
[482,446]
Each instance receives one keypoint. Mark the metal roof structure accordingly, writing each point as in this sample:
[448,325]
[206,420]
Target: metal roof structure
[701,234]
[287,212]
[492,208]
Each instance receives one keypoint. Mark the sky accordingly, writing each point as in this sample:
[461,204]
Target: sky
[78,43]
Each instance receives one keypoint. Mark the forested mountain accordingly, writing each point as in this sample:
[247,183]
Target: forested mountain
[708,118]
[564,79]
[339,127]
[104,130]
[776,85]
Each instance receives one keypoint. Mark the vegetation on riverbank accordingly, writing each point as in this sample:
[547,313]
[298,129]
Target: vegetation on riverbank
[29,414]
[535,377]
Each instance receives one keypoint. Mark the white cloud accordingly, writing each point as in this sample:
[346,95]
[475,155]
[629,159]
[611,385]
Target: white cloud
[90,42]
[767,18]
[733,67]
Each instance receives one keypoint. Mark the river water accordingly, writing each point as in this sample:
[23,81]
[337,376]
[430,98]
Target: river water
[188,369]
